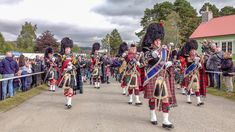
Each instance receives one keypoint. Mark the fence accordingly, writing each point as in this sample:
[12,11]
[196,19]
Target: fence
[221,75]
[20,77]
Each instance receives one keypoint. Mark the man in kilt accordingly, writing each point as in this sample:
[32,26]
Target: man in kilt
[96,65]
[157,84]
[191,71]
[51,68]
[122,53]
[67,77]
[132,76]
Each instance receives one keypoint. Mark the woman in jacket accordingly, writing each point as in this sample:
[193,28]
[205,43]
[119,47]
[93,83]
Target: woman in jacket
[227,68]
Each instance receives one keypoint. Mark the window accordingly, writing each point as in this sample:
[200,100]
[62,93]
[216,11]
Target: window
[227,46]
[230,47]
[224,46]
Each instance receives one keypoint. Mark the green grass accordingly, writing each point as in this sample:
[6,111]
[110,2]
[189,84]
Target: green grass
[20,97]
[222,92]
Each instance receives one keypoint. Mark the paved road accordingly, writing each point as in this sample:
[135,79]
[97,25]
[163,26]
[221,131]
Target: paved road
[106,110]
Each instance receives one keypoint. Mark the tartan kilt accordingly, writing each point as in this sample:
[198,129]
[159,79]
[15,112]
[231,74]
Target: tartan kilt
[185,82]
[149,87]
[53,82]
[133,83]
[142,76]
[68,92]
[202,81]
[172,99]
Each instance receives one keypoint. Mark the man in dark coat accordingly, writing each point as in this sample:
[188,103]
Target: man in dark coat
[8,69]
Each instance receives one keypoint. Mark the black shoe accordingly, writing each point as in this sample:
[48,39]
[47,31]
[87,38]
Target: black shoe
[138,103]
[53,90]
[66,104]
[98,87]
[123,94]
[108,82]
[199,104]
[69,106]
[189,102]
[154,122]
[130,103]
[170,126]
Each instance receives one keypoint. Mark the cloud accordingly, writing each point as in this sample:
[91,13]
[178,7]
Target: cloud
[84,36]
[10,1]
[131,8]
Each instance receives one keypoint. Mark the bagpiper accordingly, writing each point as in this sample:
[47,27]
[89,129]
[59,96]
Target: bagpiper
[96,69]
[68,70]
[191,66]
[122,52]
[157,80]
[131,75]
[51,68]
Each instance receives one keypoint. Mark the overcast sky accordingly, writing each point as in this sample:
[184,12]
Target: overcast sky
[85,21]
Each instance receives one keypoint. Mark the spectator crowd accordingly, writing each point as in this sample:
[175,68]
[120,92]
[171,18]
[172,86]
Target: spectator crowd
[11,66]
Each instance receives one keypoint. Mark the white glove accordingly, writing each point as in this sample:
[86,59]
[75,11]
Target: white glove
[155,54]
[137,63]
[168,64]
[197,59]
[199,65]
[124,54]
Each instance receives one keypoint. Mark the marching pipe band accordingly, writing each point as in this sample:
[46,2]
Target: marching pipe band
[150,68]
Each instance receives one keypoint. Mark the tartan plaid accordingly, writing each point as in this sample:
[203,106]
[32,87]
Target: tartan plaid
[53,82]
[203,81]
[133,82]
[171,73]
[142,76]
[149,88]
[68,92]
[185,82]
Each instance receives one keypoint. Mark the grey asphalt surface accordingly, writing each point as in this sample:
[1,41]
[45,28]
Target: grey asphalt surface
[106,110]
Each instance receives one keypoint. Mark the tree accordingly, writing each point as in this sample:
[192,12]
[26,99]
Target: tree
[188,17]
[46,40]
[76,48]
[189,20]
[227,10]
[159,12]
[26,39]
[115,40]
[211,7]
[105,42]
[2,42]
[172,29]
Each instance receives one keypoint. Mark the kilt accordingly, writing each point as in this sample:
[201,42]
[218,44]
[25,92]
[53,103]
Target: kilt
[171,73]
[68,92]
[142,76]
[149,87]
[203,81]
[53,82]
[185,82]
[133,83]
